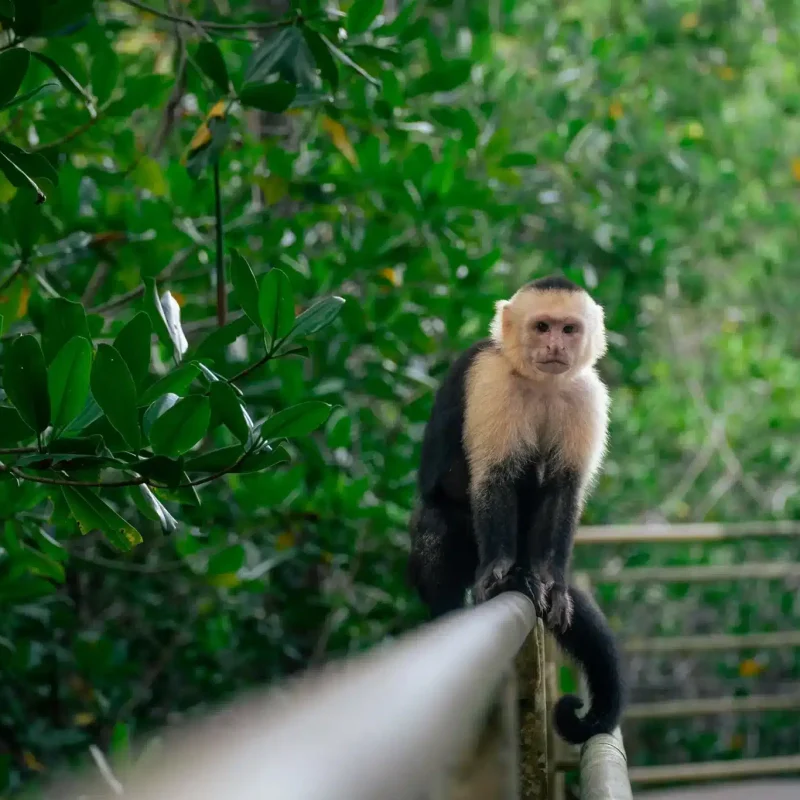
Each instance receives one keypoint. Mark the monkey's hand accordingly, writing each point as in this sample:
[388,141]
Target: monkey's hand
[560,614]
[491,580]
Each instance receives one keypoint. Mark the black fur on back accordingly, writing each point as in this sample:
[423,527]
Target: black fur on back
[553,283]
[590,642]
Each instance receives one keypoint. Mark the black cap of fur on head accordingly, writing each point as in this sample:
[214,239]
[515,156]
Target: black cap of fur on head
[552,282]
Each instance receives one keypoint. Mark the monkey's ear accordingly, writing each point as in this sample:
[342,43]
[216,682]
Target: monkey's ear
[500,320]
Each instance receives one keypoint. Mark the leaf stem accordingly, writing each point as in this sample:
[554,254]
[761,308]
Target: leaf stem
[210,25]
[222,294]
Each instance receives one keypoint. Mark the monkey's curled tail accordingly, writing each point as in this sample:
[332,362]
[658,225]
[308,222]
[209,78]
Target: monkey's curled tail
[590,642]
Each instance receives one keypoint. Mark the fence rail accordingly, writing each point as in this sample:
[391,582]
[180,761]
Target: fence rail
[432,716]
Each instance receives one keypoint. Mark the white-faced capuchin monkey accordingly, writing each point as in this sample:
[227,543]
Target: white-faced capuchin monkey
[516,436]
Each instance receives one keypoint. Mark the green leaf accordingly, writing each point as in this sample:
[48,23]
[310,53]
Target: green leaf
[90,414]
[178,382]
[152,305]
[64,319]
[105,71]
[276,304]
[225,458]
[68,380]
[48,87]
[13,66]
[322,56]
[133,344]
[92,513]
[299,420]
[231,559]
[224,336]
[362,14]
[270,52]
[168,471]
[7,9]
[25,382]
[167,521]
[13,429]
[348,62]
[226,404]
[274,97]
[68,82]
[314,319]
[180,428]
[245,287]
[445,78]
[156,409]
[519,160]
[22,169]
[115,392]
[210,60]
[32,562]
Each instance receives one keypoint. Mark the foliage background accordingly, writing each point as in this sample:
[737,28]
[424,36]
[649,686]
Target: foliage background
[438,155]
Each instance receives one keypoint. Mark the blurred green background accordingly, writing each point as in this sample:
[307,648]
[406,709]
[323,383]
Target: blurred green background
[419,160]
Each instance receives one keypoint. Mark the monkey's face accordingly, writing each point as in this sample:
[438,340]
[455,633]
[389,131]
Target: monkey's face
[553,344]
[550,333]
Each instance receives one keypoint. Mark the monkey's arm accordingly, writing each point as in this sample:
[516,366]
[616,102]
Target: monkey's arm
[494,512]
[552,536]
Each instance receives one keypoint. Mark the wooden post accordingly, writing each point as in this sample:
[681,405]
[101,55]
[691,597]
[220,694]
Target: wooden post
[533,720]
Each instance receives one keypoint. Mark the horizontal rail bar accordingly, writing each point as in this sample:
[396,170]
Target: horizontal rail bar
[699,706]
[691,532]
[604,768]
[698,573]
[716,770]
[704,643]
[385,724]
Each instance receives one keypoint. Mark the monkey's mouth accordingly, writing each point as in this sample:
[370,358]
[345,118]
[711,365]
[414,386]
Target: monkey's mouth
[553,366]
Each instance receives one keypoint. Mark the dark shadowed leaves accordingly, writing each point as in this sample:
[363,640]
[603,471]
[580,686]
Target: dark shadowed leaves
[177,381]
[166,520]
[133,344]
[210,60]
[64,319]
[228,408]
[115,392]
[245,286]
[180,428]
[68,381]
[276,304]
[68,82]
[362,14]
[299,420]
[25,382]
[13,66]
[274,97]
[227,459]
[13,428]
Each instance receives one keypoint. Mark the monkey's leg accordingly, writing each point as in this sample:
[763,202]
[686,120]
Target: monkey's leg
[443,558]
[495,526]
[554,535]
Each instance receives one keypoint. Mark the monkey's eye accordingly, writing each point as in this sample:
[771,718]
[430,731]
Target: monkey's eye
[542,327]
[570,328]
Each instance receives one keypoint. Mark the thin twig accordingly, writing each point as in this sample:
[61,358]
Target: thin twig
[210,25]
[24,476]
[222,295]
[105,769]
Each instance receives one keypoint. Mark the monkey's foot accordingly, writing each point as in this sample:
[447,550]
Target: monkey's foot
[491,580]
[560,614]
[535,588]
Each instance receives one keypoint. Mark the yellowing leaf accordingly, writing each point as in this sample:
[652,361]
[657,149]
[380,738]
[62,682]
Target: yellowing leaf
[24,296]
[727,73]
[694,130]
[148,175]
[796,168]
[615,110]
[225,580]
[750,667]
[339,138]
[179,298]
[31,762]
[690,21]
[83,719]
[202,135]
[273,187]
[391,275]
[285,541]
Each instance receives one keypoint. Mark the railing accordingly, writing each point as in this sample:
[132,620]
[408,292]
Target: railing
[656,535]
[457,709]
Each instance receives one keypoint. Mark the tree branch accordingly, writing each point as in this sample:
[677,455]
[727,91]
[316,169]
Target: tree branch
[208,24]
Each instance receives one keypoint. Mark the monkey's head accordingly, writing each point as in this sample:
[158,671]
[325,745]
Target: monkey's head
[550,327]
